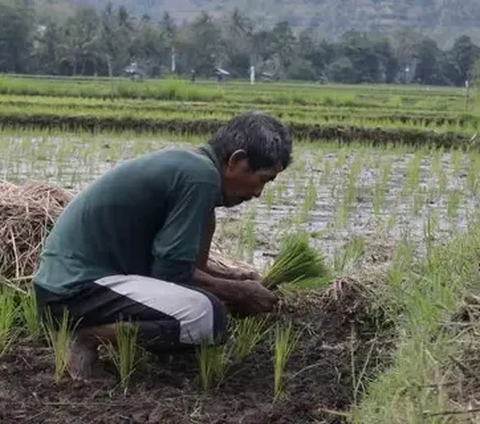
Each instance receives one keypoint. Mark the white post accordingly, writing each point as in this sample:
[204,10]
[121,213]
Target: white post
[467,94]
[174,68]
[252,75]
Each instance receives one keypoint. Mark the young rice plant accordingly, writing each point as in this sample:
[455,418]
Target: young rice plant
[283,346]
[59,337]
[296,261]
[8,315]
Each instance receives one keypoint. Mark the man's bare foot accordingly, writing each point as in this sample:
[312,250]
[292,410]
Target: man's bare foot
[81,361]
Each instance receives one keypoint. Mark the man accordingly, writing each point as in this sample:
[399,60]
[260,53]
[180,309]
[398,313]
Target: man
[134,245]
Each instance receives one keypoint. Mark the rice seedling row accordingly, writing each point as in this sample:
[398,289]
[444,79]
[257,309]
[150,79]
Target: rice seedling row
[186,112]
[404,114]
[295,94]
[301,130]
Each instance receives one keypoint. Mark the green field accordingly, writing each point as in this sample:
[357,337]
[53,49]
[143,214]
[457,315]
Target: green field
[416,114]
[381,190]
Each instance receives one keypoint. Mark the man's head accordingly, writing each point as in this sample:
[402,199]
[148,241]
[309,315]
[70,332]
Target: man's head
[253,148]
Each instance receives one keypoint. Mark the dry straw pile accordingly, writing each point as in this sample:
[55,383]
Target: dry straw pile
[27,212]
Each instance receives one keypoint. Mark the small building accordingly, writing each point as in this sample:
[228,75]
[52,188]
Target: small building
[221,74]
[135,72]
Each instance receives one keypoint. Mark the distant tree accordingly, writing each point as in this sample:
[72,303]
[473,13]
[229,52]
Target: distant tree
[105,41]
[476,74]
[360,51]
[313,52]
[342,70]
[404,43]
[282,44]
[80,49]
[147,48]
[17,26]
[238,34]
[201,45]
[47,52]
[387,61]
[463,55]
[428,69]
[169,33]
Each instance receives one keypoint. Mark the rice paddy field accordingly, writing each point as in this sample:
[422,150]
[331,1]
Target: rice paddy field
[385,185]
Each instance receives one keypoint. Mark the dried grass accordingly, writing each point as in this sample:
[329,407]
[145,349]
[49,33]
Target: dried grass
[27,212]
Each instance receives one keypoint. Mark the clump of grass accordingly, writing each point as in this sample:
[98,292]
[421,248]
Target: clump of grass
[436,165]
[379,195]
[8,316]
[401,262]
[247,334]
[454,199]
[127,354]
[283,346]
[29,313]
[310,196]
[378,200]
[412,388]
[386,172]
[281,187]
[59,337]
[430,227]
[348,254]
[319,156]
[392,219]
[457,160]
[269,198]
[213,360]
[342,157]
[355,169]
[342,210]
[296,261]
[413,173]
[418,202]
[442,181]
[472,182]
[327,169]
[246,241]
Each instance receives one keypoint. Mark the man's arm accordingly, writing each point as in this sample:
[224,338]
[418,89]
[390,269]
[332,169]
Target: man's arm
[214,270]
[176,247]
[247,296]
[176,250]
[225,289]
[206,243]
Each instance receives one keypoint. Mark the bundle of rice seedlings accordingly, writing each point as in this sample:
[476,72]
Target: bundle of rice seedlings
[297,261]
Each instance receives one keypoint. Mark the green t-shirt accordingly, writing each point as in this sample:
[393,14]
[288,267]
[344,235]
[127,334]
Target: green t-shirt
[145,217]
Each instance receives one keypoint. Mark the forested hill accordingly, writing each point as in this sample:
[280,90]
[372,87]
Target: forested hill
[443,20]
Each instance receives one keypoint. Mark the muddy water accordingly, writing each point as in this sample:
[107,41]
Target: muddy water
[400,216]
[75,161]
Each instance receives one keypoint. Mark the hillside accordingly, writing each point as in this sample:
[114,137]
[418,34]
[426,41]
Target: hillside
[441,19]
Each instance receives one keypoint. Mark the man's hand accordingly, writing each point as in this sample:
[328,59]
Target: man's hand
[255,298]
[246,297]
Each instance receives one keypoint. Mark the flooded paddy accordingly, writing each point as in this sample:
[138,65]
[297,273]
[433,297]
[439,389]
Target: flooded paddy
[337,194]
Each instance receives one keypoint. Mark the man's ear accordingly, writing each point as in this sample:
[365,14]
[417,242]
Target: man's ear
[236,157]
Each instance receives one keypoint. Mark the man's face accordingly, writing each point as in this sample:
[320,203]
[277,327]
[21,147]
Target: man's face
[241,183]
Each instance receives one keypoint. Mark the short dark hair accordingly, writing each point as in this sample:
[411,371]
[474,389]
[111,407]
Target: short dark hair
[265,139]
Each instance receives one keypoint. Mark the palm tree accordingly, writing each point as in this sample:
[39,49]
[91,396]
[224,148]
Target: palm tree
[241,30]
